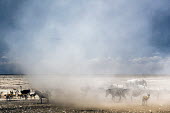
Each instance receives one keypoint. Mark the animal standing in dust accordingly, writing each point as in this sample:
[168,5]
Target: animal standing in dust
[24,93]
[135,83]
[9,96]
[116,86]
[16,92]
[117,92]
[145,99]
[33,95]
[137,92]
[42,95]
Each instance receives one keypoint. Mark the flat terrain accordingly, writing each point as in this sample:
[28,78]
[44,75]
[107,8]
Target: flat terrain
[34,107]
[106,105]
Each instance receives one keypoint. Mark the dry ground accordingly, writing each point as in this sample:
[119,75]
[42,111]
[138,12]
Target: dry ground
[33,105]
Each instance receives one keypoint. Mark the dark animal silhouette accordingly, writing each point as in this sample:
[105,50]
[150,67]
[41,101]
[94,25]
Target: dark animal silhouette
[25,93]
[33,95]
[8,96]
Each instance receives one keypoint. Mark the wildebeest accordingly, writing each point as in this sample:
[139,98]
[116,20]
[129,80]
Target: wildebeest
[33,95]
[117,92]
[25,92]
[9,96]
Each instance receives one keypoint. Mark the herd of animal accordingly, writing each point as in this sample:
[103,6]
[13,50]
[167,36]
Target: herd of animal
[15,93]
[132,88]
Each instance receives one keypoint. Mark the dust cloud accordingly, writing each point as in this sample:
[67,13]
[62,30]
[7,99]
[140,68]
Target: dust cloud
[69,47]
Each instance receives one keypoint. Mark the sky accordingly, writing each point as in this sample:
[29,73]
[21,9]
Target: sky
[87,36]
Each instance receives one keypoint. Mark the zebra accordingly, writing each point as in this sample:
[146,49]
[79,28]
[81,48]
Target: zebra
[120,92]
[137,92]
[134,83]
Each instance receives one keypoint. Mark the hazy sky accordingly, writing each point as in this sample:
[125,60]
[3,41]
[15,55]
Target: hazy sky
[93,36]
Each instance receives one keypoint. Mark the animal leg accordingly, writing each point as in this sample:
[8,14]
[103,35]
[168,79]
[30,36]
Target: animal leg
[26,97]
[119,98]
[41,100]
[113,98]
[124,97]
[47,100]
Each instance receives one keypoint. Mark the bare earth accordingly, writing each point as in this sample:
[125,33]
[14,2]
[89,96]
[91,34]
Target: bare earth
[34,106]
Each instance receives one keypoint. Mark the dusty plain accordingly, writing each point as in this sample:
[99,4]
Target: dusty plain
[33,105]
